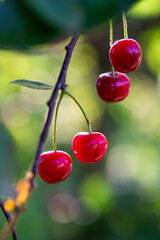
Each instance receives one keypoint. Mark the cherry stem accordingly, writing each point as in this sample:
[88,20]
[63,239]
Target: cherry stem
[82,110]
[125,25]
[111,32]
[55,122]
[9,219]
[111,42]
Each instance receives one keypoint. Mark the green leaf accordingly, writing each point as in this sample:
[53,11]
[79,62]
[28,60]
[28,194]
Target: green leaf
[32,84]
[76,15]
[25,23]
[19,28]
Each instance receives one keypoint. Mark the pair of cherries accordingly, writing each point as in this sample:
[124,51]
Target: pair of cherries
[55,166]
[125,56]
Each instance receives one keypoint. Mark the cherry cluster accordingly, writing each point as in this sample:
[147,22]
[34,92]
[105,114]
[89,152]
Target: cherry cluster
[90,147]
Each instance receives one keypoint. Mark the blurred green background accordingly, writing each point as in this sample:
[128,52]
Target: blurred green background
[117,198]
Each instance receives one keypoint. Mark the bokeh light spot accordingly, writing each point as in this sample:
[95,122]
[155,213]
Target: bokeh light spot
[12,112]
[62,209]
[89,211]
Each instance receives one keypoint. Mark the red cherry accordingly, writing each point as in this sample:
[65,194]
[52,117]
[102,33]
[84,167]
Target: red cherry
[54,166]
[113,89]
[89,147]
[125,55]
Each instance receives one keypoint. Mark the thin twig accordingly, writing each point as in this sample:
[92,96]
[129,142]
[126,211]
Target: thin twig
[51,103]
[9,219]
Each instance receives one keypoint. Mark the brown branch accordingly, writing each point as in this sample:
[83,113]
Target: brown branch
[51,103]
[9,219]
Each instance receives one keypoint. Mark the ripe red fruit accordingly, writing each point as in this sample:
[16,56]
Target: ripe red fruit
[125,55]
[54,166]
[113,89]
[89,147]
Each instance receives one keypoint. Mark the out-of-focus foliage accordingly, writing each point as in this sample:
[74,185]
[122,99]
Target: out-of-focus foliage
[152,41]
[24,23]
[141,10]
[8,160]
[117,198]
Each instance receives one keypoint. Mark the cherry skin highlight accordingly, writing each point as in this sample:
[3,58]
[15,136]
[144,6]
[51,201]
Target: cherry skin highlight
[125,55]
[54,166]
[89,147]
[113,89]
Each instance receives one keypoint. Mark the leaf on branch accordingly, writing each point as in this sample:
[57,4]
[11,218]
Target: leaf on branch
[32,84]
